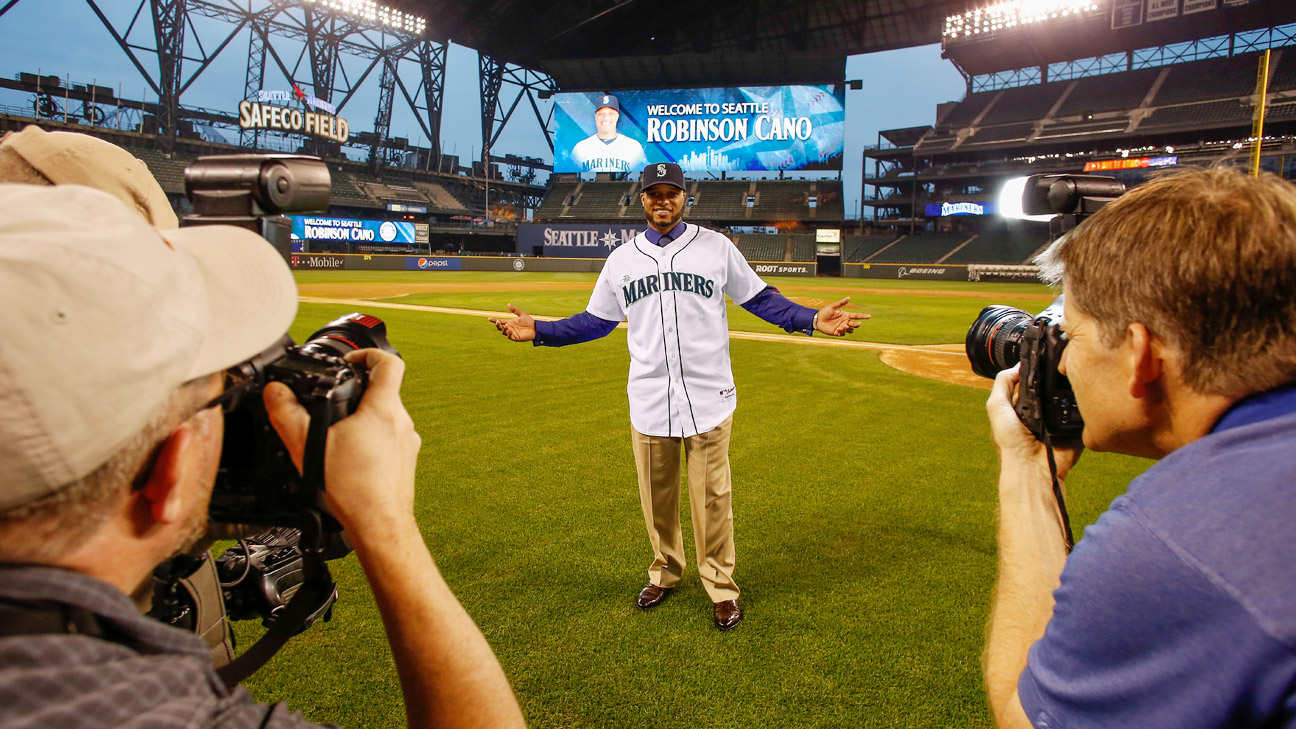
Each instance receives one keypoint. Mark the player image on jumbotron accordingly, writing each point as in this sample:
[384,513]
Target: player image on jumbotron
[607,150]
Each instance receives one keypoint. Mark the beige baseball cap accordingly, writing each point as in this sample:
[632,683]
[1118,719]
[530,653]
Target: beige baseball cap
[105,316]
[69,158]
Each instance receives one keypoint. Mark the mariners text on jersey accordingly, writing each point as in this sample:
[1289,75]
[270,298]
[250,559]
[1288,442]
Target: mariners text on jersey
[668,281]
[606,164]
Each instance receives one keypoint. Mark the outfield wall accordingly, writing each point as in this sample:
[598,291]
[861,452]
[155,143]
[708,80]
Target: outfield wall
[894,271]
[376,262]
[941,272]
[362,262]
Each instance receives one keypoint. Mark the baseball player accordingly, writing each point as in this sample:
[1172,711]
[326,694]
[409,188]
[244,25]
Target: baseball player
[606,150]
[669,283]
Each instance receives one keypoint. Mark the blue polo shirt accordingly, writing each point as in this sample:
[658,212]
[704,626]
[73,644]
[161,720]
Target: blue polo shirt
[1178,608]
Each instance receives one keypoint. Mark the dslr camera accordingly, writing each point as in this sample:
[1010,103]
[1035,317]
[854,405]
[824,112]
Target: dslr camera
[278,575]
[1003,336]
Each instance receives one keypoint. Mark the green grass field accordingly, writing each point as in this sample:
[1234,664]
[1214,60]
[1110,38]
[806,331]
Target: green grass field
[864,502]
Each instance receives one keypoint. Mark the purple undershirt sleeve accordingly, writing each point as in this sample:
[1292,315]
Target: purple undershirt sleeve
[778,310]
[582,327]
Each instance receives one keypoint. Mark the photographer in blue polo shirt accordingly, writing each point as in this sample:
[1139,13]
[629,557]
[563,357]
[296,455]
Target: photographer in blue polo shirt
[1178,608]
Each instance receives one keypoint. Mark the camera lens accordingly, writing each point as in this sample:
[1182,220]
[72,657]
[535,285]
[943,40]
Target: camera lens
[349,333]
[994,339]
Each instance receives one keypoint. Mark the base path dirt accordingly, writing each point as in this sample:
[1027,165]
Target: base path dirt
[388,290]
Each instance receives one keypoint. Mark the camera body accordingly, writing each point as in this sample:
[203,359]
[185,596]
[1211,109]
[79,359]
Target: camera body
[1001,337]
[258,482]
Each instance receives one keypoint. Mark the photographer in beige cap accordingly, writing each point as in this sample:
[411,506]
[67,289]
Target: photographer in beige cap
[109,444]
[34,156]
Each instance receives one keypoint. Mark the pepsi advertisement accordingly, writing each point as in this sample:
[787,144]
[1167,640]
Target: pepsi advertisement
[306,227]
[754,128]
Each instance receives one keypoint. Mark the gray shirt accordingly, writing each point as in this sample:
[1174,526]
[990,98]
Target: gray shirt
[146,674]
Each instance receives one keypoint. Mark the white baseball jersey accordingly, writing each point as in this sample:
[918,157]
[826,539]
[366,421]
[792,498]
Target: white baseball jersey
[620,154]
[673,297]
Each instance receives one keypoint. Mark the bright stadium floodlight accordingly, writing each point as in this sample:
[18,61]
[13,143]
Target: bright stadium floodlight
[1010,201]
[375,13]
[1010,14]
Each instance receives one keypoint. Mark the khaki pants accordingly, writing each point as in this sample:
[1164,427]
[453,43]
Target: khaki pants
[657,460]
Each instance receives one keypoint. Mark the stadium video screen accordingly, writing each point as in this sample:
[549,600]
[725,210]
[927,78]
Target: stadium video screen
[730,129]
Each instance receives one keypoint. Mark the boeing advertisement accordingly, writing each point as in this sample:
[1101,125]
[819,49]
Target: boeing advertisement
[702,130]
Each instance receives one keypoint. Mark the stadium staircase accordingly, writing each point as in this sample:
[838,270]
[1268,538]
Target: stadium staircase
[919,248]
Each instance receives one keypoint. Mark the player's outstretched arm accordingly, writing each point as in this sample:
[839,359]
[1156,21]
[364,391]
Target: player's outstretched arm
[835,321]
[448,674]
[520,329]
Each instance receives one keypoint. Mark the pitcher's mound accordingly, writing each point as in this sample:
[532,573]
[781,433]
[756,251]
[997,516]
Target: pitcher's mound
[936,366]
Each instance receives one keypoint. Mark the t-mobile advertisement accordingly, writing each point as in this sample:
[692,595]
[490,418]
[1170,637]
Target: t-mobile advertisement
[731,129]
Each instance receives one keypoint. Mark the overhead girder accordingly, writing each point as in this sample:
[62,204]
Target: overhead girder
[495,76]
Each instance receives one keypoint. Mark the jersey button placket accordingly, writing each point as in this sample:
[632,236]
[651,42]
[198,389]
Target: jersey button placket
[679,411]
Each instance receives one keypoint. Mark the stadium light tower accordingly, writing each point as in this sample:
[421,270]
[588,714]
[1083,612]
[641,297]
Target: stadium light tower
[1010,14]
[381,15]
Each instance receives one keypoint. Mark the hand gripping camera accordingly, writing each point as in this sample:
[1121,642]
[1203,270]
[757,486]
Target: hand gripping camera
[1002,336]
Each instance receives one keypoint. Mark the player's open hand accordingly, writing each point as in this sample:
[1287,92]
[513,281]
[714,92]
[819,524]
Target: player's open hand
[521,329]
[835,321]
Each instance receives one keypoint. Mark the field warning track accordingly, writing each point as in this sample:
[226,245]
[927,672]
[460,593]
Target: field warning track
[944,362]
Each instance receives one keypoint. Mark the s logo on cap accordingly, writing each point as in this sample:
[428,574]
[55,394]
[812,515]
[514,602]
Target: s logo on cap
[606,99]
[661,170]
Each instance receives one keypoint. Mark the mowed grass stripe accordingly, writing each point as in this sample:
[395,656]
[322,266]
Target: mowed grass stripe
[864,507]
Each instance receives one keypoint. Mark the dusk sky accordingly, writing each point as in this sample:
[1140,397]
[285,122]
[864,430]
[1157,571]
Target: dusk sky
[65,38]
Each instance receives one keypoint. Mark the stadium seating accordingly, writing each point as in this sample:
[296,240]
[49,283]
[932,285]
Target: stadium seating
[967,111]
[603,200]
[921,247]
[1205,94]
[1108,92]
[998,243]
[721,200]
[804,248]
[1212,78]
[1282,74]
[555,200]
[857,248]
[440,199]
[761,247]
[1024,103]
[997,135]
[714,201]
[1211,113]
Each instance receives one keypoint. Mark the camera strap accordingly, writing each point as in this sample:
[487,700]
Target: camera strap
[313,595]
[316,441]
[1057,492]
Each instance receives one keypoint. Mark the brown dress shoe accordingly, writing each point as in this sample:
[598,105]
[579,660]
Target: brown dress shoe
[651,595]
[727,614]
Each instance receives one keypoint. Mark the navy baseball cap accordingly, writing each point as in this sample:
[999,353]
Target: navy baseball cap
[662,173]
[608,101]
